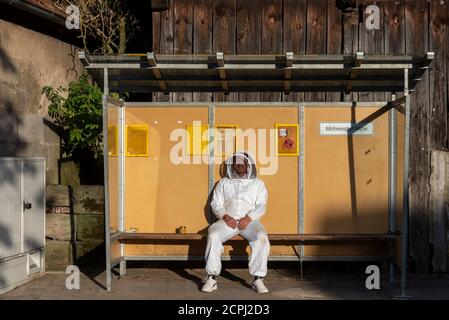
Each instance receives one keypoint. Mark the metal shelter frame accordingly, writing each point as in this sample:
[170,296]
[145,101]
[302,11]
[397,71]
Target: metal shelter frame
[272,73]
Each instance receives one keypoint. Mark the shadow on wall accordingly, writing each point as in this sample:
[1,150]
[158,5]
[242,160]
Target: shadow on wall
[11,145]
[6,63]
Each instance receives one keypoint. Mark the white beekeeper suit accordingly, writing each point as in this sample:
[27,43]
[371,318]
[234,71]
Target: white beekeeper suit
[237,197]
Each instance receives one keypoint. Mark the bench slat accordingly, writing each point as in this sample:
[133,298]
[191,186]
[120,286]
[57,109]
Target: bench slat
[273,237]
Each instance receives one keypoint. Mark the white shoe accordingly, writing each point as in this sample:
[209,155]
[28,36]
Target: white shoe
[210,285]
[259,286]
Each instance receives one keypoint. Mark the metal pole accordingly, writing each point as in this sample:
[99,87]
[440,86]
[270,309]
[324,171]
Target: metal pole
[121,176]
[405,208]
[106,180]
[392,183]
[211,163]
[301,183]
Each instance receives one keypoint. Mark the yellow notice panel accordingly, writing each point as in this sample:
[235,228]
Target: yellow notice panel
[226,140]
[112,140]
[287,139]
[346,176]
[198,139]
[136,137]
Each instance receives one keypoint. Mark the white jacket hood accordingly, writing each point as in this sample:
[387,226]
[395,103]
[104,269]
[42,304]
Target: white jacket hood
[241,156]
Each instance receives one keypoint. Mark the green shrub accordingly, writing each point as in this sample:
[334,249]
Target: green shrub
[78,118]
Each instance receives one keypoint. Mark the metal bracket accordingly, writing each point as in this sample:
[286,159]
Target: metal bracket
[156,72]
[358,59]
[288,71]
[84,58]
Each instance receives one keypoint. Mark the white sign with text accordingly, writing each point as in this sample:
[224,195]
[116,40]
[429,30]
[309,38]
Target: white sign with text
[345,128]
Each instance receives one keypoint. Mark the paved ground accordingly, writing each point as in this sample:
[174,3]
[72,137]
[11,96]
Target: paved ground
[176,282]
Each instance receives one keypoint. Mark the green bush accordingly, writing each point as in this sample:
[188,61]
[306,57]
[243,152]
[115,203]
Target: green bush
[78,118]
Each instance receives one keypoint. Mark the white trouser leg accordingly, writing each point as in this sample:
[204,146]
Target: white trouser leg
[260,248]
[219,232]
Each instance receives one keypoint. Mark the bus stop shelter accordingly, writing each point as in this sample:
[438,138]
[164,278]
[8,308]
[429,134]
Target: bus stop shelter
[377,131]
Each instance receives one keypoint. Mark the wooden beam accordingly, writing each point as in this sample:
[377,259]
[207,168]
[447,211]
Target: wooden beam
[288,71]
[156,72]
[272,237]
[222,72]
[358,59]
[417,43]
[397,102]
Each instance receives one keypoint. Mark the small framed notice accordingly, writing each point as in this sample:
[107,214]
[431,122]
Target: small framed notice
[226,139]
[287,139]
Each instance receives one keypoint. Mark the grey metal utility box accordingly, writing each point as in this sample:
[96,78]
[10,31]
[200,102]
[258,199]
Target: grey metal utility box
[22,220]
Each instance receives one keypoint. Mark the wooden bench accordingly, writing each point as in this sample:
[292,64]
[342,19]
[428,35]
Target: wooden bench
[293,239]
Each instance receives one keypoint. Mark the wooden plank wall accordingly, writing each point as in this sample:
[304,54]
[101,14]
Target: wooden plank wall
[316,26]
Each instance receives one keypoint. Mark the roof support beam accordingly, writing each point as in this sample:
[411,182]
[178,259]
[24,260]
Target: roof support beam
[425,65]
[397,102]
[222,72]
[156,72]
[354,71]
[288,71]
[84,58]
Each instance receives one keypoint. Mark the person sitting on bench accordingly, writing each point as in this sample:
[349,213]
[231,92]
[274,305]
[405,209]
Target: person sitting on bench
[239,201]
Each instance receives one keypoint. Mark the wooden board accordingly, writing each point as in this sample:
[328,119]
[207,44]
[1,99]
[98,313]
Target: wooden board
[417,30]
[166,41]
[272,19]
[202,37]
[394,32]
[438,74]
[224,29]
[294,35]
[273,237]
[438,209]
[334,36]
[350,39]
[316,36]
[248,35]
[438,128]
[346,183]
[372,42]
[183,37]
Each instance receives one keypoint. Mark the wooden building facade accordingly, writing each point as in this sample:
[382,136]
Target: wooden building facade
[319,27]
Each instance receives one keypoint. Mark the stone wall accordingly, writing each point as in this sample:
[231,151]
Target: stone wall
[30,60]
[74,226]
